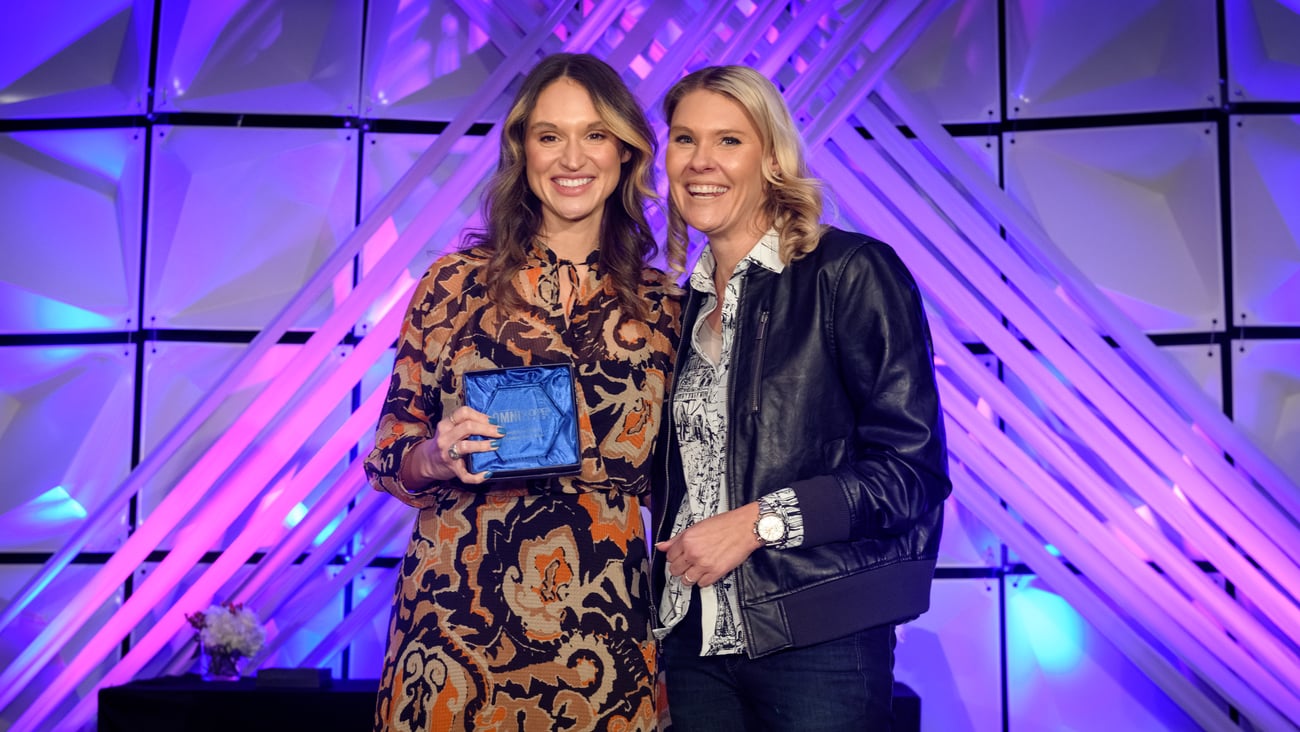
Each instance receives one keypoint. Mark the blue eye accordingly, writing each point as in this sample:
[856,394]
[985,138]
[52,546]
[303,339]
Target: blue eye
[683,140]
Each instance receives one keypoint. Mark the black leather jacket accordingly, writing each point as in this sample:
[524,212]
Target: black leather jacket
[832,392]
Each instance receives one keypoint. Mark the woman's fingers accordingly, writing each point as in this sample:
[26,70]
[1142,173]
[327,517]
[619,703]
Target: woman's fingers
[461,433]
[707,550]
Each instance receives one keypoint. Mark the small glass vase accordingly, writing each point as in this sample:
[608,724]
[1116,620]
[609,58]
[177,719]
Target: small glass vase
[219,665]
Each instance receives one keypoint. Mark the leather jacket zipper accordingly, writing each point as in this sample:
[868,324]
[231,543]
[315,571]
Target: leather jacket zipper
[757,392]
[758,361]
[657,529]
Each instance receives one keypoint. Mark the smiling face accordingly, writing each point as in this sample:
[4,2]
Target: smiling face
[572,161]
[714,162]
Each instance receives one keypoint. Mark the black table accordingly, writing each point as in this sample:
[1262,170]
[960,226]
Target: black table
[190,704]
[907,709]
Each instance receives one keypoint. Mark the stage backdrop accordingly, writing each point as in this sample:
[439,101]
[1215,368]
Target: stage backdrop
[211,215]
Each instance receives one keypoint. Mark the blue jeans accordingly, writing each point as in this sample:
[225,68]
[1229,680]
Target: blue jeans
[843,685]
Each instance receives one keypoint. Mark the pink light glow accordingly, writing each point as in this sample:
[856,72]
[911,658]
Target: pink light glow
[958,298]
[227,504]
[1153,610]
[1173,380]
[391,521]
[1082,372]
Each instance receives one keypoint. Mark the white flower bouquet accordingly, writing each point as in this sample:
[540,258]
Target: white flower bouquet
[228,629]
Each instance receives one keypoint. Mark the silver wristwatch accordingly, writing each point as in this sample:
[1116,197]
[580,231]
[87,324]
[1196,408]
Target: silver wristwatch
[770,527]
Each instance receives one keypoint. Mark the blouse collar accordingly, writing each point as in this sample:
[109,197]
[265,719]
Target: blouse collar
[541,255]
[765,253]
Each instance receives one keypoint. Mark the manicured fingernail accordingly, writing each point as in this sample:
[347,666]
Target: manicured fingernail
[487,475]
[495,444]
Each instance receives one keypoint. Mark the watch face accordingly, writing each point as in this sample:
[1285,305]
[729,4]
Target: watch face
[771,527]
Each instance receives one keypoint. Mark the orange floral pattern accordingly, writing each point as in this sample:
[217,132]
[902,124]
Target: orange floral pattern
[525,604]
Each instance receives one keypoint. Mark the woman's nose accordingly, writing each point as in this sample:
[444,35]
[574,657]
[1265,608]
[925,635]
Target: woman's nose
[571,157]
[701,158]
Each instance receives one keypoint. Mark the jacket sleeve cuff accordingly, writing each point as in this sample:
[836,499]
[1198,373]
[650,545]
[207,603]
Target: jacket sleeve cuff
[825,512]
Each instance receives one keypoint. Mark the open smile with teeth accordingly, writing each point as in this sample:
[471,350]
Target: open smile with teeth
[705,190]
[572,182]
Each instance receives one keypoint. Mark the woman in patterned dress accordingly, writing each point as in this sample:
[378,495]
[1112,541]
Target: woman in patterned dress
[524,604]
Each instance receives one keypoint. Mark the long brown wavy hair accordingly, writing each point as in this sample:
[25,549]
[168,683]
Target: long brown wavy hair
[512,213]
[793,198]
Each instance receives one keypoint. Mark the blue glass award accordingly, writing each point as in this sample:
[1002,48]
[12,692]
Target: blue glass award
[537,409]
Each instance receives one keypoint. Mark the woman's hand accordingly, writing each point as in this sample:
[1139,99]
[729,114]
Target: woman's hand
[705,552]
[443,456]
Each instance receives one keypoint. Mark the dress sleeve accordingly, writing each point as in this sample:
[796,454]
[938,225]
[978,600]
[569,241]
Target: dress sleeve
[414,404]
[667,320]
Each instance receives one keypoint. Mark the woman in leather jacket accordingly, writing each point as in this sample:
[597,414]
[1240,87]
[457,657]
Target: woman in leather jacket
[802,469]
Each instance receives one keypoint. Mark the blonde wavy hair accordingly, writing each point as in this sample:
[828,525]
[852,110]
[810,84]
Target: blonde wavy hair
[793,198]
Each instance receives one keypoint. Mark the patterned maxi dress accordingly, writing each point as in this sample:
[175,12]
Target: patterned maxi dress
[524,605]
